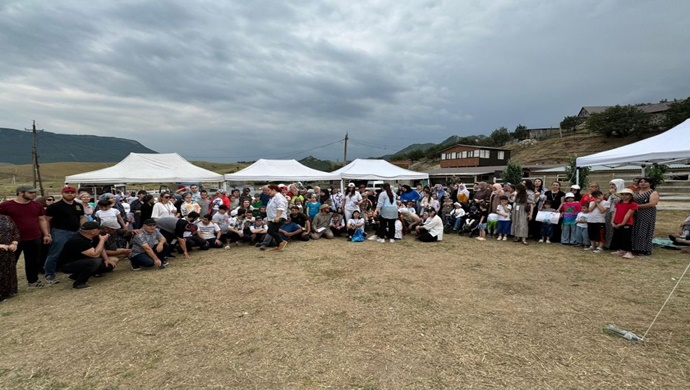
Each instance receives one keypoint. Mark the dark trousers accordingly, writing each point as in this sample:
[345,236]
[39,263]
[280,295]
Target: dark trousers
[425,236]
[32,258]
[273,231]
[386,228]
[82,269]
[144,260]
[622,238]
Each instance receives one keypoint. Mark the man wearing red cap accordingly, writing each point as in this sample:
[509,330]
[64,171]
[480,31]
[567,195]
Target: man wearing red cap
[65,217]
[29,217]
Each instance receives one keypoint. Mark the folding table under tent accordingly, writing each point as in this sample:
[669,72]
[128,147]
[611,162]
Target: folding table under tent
[671,146]
[264,170]
[148,168]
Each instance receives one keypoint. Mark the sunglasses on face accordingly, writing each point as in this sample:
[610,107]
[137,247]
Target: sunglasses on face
[166,197]
[50,200]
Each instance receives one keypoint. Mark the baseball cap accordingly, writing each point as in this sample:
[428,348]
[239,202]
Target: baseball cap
[351,185]
[569,195]
[626,191]
[575,186]
[150,222]
[26,188]
[112,224]
[91,225]
[68,189]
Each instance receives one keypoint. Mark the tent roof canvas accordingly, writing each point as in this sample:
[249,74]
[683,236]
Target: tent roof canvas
[279,170]
[670,146]
[148,168]
[377,170]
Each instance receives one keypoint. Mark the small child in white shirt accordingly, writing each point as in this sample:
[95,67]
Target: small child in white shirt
[581,233]
[106,212]
[503,210]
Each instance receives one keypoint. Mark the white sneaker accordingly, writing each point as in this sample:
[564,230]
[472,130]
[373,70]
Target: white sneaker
[381,240]
[541,240]
[373,237]
[392,240]
[227,247]
[499,238]
[588,248]
[548,241]
[505,238]
[481,238]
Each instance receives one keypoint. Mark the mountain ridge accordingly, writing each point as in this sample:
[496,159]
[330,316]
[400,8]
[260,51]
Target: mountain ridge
[53,147]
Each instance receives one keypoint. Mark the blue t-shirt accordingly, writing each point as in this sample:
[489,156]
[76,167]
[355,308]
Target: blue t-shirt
[289,227]
[312,209]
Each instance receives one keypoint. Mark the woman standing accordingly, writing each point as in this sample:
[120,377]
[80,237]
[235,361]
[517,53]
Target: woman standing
[615,187]
[164,207]
[146,207]
[645,220]
[521,214]
[556,197]
[351,201]
[387,209]
[9,239]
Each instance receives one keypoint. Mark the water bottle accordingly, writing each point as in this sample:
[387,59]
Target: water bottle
[613,329]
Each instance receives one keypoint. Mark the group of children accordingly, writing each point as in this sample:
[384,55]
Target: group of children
[582,224]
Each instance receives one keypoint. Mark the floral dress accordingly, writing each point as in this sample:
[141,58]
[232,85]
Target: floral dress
[8,268]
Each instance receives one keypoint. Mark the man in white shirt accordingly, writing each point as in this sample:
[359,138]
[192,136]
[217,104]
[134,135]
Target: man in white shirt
[210,232]
[432,229]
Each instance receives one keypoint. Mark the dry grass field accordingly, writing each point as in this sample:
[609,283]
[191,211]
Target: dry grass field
[334,314]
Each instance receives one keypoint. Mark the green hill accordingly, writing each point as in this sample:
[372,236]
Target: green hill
[16,147]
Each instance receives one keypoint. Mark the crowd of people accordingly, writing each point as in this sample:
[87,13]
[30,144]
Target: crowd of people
[87,237]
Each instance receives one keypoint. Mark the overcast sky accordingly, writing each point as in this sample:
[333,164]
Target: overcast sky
[242,80]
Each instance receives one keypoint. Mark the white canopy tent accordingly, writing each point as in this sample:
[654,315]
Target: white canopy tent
[279,170]
[148,168]
[671,146]
[363,169]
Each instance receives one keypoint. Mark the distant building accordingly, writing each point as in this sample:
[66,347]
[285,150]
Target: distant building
[656,111]
[473,156]
[402,163]
[545,132]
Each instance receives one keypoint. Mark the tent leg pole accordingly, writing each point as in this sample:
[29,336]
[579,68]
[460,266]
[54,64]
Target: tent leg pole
[577,176]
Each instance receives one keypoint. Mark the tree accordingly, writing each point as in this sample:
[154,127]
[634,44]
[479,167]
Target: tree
[415,155]
[677,112]
[657,172]
[619,121]
[571,122]
[513,173]
[571,171]
[498,137]
[520,133]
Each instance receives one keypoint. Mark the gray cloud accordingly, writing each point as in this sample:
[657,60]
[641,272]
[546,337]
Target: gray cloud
[245,80]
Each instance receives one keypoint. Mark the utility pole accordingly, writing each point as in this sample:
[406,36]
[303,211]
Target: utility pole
[34,159]
[345,150]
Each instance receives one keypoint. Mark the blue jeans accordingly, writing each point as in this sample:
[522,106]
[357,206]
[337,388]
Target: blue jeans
[581,236]
[504,227]
[144,260]
[569,234]
[60,238]
[458,223]
[546,230]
